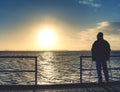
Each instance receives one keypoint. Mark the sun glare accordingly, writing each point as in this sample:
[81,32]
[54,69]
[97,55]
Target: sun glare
[47,38]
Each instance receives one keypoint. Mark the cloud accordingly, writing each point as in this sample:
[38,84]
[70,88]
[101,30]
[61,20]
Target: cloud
[111,32]
[90,3]
[111,28]
[83,38]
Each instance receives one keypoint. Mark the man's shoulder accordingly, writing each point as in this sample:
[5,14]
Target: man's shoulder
[105,41]
[96,41]
[101,41]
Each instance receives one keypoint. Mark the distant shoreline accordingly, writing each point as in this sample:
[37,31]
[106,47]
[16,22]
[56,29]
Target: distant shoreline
[50,51]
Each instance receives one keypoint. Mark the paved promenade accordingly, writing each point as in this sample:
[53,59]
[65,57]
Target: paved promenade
[90,87]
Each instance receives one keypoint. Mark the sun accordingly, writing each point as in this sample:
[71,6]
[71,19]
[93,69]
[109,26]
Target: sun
[47,38]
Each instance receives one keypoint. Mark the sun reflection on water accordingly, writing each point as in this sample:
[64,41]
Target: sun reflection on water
[46,68]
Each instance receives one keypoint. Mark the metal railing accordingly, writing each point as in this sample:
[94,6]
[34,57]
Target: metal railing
[35,70]
[81,66]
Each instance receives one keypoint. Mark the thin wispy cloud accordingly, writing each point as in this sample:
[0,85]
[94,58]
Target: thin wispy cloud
[91,3]
[111,28]
[111,32]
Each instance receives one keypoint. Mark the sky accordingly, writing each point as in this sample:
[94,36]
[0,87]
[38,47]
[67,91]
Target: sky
[74,23]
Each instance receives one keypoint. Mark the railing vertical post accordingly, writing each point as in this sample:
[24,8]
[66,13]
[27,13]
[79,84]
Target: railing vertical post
[35,71]
[80,69]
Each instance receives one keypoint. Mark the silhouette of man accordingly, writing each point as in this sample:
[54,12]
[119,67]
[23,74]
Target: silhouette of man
[100,54]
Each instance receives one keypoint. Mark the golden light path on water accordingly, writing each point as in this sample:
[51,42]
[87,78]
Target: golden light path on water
[56,68]
[47,66]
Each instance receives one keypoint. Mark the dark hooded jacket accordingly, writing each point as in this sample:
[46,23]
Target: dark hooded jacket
[100,50]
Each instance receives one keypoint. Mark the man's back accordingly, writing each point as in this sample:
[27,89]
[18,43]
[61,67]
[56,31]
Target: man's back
[100,50]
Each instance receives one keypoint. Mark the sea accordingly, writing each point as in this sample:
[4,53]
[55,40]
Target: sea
[53,67]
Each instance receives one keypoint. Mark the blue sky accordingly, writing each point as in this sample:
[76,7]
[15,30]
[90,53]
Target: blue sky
[74,21]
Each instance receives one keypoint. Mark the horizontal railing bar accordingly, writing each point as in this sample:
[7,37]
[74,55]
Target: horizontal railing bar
[91,56]
[34,71]
[116,77]
[17,71]
[18,56]
[85,56]
[95,69]
[114,68]
[115,56]
[87,69]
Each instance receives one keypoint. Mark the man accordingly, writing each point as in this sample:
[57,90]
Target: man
[100,54]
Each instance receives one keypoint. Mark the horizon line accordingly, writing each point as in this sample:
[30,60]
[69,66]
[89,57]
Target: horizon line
[42,50]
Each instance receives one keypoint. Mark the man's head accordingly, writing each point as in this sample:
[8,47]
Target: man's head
[100,36]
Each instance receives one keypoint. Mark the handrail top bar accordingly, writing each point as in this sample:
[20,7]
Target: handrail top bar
[17,70]
[91,56]
[85,56]
[18,56]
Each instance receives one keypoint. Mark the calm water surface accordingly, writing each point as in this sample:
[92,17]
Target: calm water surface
[53,67]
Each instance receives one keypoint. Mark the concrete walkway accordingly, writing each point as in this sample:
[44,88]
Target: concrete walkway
[91,87]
